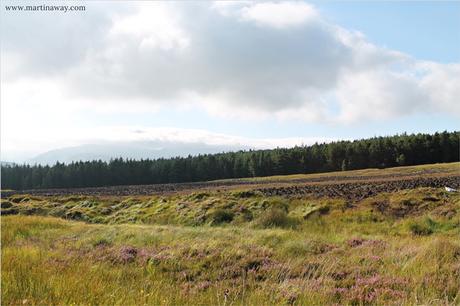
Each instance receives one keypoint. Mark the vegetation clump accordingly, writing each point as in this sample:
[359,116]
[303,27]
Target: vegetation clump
[275,217]
[220,216]
[424,227]
[245,194]
[6,204]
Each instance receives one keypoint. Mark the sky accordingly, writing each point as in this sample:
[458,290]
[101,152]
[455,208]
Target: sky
[261,74]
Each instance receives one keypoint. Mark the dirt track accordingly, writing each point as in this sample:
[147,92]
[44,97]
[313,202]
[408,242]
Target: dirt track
[349,187]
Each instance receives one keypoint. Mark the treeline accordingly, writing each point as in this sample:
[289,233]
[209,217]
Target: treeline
[377,152]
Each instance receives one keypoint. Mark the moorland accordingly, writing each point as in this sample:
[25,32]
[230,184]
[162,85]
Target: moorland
[374,236]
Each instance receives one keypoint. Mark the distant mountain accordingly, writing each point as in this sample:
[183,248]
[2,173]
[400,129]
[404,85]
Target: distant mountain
[5,163]
[134,150]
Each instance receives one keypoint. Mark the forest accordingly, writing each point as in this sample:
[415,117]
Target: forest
[376,152]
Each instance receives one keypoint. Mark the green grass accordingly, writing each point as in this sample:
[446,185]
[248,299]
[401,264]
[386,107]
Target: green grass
[232,248]
[238,208]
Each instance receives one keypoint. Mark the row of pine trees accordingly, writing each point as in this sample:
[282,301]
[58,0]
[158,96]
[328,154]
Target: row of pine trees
[377,152]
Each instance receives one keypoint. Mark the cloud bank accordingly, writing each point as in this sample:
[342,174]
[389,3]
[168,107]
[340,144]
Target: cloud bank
[137,136]
[236,59]
[243,59]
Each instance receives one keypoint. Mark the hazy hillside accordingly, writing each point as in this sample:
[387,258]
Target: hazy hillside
[133,150]
[5,163]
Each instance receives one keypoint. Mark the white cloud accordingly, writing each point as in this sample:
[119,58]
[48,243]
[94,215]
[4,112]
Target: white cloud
[244,67]
[377,95]
[152,26]
[279,15]
[262,60]
[442,85]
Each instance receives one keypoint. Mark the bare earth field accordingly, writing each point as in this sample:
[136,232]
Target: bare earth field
[365,237]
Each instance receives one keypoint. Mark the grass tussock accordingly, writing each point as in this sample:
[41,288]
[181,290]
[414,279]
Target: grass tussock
[276,217]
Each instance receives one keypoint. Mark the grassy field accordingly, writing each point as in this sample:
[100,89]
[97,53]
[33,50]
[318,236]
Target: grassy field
[445,168]
[234,247]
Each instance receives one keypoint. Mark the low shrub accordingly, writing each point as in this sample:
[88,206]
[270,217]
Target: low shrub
[101,241]
[6,204]
[220,216]
[58,212]
[316,212]
[17,198]
[275,217]
[32,210]
[244,194]
[9,211]
[422,228]
[279,204]
[76,215]
[199,196]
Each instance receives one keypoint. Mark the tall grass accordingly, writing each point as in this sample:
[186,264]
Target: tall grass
[232,248]
[52,261]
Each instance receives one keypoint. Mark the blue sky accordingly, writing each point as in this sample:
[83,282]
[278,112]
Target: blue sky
[282,72]
[428,30]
